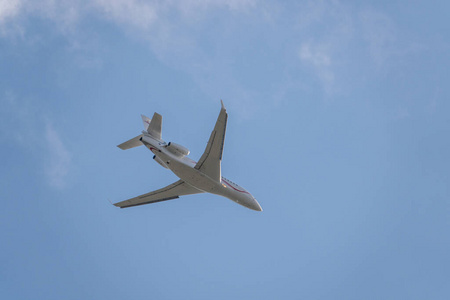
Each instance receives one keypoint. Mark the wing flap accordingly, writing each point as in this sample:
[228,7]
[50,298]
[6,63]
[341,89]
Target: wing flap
[211,159]
[172,191]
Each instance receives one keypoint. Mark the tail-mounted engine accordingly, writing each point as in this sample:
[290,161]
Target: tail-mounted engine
[178,150]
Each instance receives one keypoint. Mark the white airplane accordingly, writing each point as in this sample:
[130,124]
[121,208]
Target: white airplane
[203,176]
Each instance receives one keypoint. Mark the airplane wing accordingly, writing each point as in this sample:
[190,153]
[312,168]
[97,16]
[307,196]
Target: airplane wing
[209,163]
[169,192]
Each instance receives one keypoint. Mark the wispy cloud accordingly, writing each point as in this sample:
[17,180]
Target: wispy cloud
[165,25]
[186,35]
[22,126]
[326,29]
[59,158]
[378,31]
[401,113]
[331,31]
[319,57]
[141,15]
[129,12]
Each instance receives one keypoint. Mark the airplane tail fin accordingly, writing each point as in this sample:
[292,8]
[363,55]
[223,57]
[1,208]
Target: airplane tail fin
[152,126]
[146,120]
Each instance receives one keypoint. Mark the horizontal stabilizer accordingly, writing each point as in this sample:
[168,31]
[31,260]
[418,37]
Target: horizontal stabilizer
[134,142]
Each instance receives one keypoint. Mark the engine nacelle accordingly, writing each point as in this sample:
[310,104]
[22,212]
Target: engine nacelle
[159,161]
[178,150]
[146,140]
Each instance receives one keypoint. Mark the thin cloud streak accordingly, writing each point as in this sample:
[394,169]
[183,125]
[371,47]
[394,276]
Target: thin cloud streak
[59,159]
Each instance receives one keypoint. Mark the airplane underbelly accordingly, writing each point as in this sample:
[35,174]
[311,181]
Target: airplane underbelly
[194,177]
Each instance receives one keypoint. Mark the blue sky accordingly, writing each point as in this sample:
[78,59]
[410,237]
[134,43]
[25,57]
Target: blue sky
[338,124]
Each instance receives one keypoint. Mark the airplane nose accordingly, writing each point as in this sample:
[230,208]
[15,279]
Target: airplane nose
[254,205]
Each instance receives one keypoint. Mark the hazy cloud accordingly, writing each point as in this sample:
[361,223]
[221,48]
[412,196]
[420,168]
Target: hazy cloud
[17,115]
[379,33]
[139,14]
[9,8]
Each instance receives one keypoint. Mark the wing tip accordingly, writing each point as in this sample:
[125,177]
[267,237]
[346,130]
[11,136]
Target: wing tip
[117,204]
[221,103]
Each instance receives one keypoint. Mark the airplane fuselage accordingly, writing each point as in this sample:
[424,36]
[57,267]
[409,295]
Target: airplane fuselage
[184,167]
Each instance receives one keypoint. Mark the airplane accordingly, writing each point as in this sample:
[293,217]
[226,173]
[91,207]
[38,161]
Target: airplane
[204,176]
